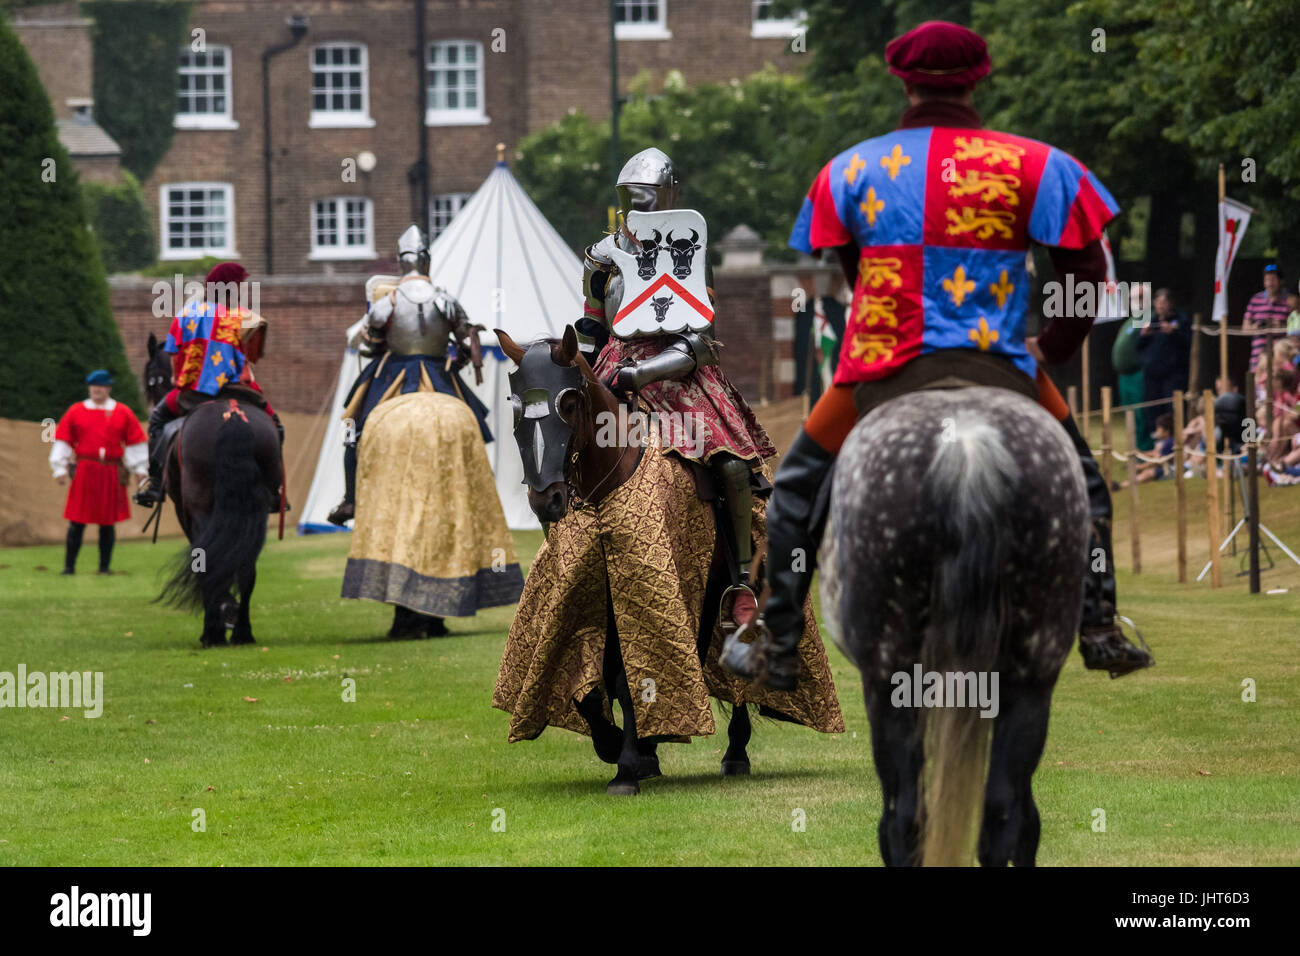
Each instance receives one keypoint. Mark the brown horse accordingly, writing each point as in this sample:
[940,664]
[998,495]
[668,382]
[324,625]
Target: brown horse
[557,392]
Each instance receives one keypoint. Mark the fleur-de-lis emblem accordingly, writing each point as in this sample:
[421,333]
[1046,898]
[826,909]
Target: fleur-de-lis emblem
[855,166]
[191,326]
[894,160]
[983,337]
[221,380]
[216,358]
[958,286]
[872,206]
[1002,289]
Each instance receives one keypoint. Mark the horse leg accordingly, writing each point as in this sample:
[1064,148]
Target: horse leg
[605,736]
[1010,829]
[243,631]
[735,762]
[648,759]
[624,783]
[214,625]
[897,748]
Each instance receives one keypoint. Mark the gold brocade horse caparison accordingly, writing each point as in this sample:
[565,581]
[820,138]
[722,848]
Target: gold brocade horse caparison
[648,545]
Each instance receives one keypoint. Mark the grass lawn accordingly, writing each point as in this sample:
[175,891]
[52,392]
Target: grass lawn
[416,769]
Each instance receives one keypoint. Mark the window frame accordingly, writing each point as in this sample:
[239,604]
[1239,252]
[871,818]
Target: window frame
[342,253]
[786,28]
[462,196]
[166,253]
[656,30]
[460,116]
[340,119]
[209,121]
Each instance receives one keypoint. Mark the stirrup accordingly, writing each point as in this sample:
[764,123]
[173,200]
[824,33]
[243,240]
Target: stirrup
[148,494]
[1121,661]
[737,601]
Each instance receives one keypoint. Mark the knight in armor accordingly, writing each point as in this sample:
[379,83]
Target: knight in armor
[215,341]
[411,326]
[674,373]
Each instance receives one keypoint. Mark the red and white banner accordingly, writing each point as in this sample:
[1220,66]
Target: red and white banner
[1109,307]
[1234,217]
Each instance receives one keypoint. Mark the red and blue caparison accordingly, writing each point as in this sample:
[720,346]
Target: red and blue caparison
[943,217]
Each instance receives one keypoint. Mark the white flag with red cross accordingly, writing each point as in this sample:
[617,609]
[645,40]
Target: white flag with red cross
[1233,219]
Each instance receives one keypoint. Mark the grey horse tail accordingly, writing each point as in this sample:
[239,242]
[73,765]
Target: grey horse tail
[970,486]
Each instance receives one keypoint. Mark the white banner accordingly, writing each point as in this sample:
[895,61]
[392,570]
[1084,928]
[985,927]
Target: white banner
[1109,306]
[1234,217]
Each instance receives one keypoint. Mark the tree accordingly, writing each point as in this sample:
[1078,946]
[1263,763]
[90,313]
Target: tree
[122,225]
[746,151]
[135,48]
[55,320]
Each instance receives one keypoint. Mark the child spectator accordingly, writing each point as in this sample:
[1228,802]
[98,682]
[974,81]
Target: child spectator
[1164,445]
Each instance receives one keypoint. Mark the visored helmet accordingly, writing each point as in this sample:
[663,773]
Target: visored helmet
[648,183]
[412,251]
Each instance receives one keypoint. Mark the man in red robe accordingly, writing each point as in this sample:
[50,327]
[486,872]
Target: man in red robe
[99,441]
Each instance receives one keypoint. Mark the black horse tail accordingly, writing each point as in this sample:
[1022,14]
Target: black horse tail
[235,531]
[970,486]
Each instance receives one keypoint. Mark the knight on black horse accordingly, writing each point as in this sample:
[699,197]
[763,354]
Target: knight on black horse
[215,448]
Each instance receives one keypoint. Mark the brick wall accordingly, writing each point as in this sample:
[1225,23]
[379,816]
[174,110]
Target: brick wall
[58,41]
[540,61]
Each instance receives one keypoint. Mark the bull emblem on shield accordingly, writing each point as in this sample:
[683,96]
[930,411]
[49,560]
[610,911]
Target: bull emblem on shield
[661,306]
[648,257]
[683,251]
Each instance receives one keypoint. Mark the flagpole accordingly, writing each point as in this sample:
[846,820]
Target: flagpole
[1223,319]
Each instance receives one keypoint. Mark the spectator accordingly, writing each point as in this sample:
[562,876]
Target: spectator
[1267,310]
[1229,419]
[1293,318]
[1164,344]
[1164,445]
[1127,363]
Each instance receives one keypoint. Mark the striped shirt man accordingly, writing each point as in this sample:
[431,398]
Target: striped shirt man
[1266,310]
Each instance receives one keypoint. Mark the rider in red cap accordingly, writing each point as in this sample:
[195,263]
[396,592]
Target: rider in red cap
[214,340]
[931,224]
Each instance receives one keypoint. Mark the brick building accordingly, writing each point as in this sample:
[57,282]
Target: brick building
[345,122]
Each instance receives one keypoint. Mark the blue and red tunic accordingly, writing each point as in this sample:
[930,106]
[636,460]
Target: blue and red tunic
[943,217]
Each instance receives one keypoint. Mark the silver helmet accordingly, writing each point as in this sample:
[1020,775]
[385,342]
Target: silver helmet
[412,252]
[648,183]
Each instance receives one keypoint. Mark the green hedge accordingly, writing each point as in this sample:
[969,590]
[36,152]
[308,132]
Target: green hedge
[122,224]
[56,323]
[136,43]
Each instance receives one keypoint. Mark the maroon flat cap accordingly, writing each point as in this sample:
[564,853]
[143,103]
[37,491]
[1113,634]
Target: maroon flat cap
[938,53]
[224,272]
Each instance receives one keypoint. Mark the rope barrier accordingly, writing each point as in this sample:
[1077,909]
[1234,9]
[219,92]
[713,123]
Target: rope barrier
[1217,330]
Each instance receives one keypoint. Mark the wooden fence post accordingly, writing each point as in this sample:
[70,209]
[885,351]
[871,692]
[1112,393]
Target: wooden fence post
[1211,489]
[1130,427]
[1180,489]
[1105,434]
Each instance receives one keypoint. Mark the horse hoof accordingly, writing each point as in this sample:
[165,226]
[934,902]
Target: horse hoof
[245,639]
[648,768]
[616,788]
[735,768]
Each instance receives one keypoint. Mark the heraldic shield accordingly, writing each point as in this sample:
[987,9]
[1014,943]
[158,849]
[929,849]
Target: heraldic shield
[664,283]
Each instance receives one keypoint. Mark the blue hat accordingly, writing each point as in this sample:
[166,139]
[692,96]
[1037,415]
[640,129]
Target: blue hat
[99,377]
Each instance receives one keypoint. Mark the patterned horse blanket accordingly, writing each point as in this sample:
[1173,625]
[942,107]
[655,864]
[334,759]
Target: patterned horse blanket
[426,534]
[648,545]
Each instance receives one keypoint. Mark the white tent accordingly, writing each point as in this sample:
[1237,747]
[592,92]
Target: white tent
[511,270]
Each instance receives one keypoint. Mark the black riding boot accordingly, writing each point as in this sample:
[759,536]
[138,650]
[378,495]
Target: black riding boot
[794,527]
[346,509]
[72,546]
[151,492]
[107,538]
[1101,642]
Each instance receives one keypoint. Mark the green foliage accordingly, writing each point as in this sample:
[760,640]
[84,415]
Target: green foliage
[135,47]
[198,268]
[122,224]
[746,152]
[55,320]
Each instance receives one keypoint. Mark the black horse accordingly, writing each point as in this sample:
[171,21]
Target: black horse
[595,470]
[958,550]
[224,473]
